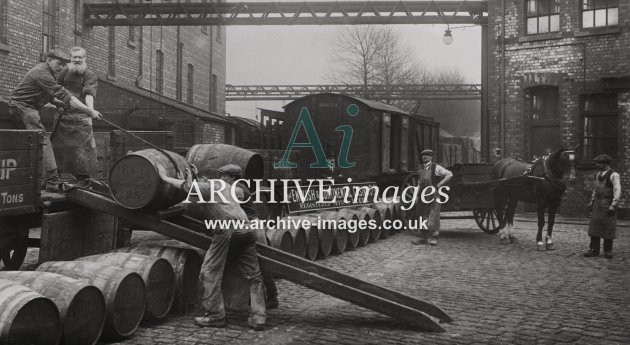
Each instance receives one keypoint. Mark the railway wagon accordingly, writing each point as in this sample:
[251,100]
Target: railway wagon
[358,138]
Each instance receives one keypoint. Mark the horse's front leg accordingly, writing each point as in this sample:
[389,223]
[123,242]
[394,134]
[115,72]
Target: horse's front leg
[541,223]
[553,208]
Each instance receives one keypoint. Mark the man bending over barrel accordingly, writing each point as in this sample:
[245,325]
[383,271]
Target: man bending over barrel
[240,243]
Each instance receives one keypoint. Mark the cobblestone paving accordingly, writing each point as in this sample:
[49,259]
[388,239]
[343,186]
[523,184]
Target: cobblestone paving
[496,294]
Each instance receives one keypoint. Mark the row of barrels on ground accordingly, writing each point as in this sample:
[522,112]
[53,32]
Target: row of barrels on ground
[99,296]
[318,242]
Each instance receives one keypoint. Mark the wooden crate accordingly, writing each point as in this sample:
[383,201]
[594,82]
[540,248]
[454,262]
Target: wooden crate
[20,165]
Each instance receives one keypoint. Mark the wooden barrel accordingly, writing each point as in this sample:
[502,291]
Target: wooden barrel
[157,274]
[386,214]
[280,239]
[209,157]
[354,235]
[325,236]
[81,306]
[298,235]
[136,184]
[186,265]
[375,215]
[123,290]
[340,236]
[27,317]
[364,230]
[312,239]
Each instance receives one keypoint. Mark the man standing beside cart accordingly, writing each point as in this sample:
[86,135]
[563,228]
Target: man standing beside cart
[431,174]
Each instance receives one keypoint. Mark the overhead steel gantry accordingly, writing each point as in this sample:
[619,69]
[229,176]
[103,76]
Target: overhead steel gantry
[195,13]
[380,92]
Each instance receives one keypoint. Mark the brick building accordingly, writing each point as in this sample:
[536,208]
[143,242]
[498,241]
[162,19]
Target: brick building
[150,78]
[559,71]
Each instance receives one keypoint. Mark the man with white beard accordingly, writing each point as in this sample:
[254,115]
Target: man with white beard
[73,136]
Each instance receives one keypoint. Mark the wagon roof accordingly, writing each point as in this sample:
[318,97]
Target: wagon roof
[371,104]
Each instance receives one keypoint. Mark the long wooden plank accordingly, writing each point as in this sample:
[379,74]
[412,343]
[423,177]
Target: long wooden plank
[352,282]
[354,295]
[291,267]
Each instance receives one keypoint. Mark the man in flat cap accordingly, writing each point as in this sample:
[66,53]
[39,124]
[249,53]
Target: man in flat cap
[230,173]
[431,174]
[36,89]
[239,242]
[603,205]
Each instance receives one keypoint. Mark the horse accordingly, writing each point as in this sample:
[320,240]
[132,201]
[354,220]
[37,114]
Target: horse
[545,187]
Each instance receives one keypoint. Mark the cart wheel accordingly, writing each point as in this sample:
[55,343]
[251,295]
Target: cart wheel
[13,254]
[410,180]
[489,220]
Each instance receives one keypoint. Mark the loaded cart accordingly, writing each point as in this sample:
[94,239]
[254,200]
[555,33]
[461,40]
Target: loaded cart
[473,189]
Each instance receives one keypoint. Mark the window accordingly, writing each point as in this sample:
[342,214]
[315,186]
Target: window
[219,34]
[543,103]
[48,26]
[3,21]
[543,16]
[190,89]
[178,76]
[111,52]
[214,97]
[599,13]
[159,71]
[600,120]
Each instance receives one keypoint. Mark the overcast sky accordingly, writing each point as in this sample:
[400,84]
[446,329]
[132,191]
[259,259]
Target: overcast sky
[301,55]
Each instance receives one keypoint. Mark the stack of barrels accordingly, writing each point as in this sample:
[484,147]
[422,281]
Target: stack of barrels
[96,297]
[316,235]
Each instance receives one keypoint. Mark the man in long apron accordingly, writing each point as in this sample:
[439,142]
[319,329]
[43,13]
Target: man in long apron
[604,200]
[431,174]
[73,136]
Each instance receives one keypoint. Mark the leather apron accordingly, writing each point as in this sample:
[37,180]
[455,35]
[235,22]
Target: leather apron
[602,224]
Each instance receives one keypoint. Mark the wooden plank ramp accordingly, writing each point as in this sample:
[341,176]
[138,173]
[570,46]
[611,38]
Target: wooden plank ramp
[421,314]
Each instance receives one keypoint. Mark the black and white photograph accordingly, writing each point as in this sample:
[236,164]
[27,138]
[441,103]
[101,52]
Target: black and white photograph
[314,172]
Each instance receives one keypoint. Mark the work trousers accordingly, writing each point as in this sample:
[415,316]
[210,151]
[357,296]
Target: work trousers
[30,118]
[595,244]
[234,248]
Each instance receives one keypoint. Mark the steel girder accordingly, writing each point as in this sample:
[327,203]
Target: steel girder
[374,92]
[195,13]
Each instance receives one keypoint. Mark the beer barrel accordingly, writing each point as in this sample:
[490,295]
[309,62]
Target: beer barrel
[209,157]
[325,235]
[136,184]
[340,236]
[298,235]
[157,274]
[312,239]
[27,317]
[123,291]
[186,264]
[280,239]
[352,219]
[81,306]
[386,214]
[375,216]
[364,227]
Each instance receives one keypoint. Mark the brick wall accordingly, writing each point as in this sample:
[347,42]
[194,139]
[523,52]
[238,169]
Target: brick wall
[574,60]
[135,60]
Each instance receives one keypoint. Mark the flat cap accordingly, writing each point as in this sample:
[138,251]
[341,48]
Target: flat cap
[603,159]
[231,170]
[426,152]
[58,54]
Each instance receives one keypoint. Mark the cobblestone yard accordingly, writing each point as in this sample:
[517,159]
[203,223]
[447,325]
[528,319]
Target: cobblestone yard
[496,294]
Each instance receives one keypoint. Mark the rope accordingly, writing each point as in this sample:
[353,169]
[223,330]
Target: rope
[180,175]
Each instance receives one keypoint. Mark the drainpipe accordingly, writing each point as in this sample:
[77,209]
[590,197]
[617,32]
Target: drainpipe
[502,137]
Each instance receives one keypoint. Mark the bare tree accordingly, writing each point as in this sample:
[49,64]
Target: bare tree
[356,53]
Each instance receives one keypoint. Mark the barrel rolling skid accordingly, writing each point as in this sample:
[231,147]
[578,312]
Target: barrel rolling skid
[172,223]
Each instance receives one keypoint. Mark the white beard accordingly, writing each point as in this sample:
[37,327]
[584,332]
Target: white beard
[78,69]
